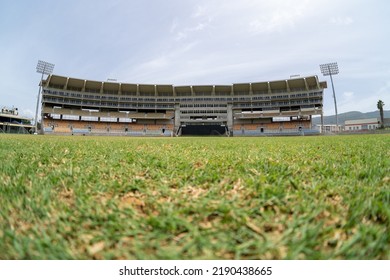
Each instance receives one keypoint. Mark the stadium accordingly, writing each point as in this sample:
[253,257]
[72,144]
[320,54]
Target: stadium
[74,106]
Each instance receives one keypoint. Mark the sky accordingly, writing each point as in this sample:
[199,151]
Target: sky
[202,42]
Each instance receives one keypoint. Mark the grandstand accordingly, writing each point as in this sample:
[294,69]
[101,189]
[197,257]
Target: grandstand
[72,106]
[11,122]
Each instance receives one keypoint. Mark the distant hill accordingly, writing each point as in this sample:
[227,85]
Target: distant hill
[353,115]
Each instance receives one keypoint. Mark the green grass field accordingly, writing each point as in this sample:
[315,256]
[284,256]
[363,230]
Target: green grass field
[194,198]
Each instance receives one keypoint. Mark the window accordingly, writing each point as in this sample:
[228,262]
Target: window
[55,116]
[125,120]
[70,117]
[89,118]
[281,119]
[108,119]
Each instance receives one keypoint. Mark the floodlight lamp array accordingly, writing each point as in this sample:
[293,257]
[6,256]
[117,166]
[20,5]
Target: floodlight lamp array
[329,69]
[44,67]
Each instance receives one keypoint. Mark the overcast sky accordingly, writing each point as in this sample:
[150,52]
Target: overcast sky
[199,42]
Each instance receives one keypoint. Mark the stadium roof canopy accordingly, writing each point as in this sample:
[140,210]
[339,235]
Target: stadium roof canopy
[301,83]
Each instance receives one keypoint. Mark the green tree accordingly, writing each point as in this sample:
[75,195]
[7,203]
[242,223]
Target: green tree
[380,105]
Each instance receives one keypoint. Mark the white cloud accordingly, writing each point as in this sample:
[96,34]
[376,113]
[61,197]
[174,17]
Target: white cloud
[348,95]
[341,20]
[199,20]
[277,20]
[365,102]
[158,62]
[188,32]
[27,113]
[174,26]
[200,11]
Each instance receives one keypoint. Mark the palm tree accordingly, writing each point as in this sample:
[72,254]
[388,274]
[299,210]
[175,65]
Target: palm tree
[380,105]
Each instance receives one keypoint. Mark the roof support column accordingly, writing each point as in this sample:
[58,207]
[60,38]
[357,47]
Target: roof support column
[177,118]
[230,117]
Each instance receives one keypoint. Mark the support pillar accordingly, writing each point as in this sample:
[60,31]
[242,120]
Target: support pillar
[177,118]
[230,117]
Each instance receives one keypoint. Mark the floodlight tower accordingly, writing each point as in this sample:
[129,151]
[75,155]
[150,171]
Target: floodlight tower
[330,69]
[45,68]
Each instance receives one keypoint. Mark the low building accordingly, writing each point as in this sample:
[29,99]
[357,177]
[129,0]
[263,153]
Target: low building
[386,122]
[362,124]
[11,122]
[329,128]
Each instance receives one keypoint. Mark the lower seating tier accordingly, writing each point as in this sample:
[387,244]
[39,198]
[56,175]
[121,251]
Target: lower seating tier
[72,127]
